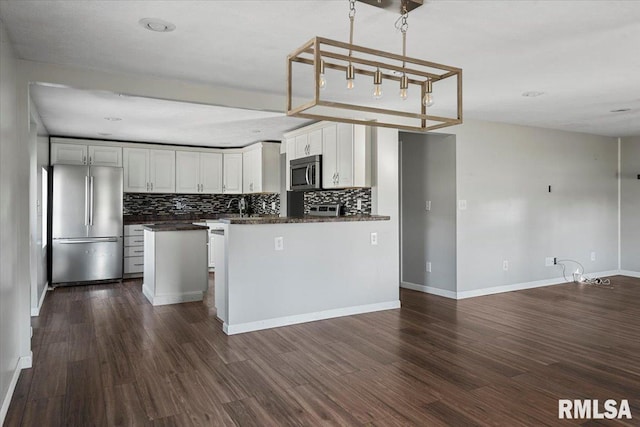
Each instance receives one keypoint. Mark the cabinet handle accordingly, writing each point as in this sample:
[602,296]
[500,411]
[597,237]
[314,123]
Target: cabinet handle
[84,160]
[90,160]
[152,186]
[147,186]
[138,265]
[138,252]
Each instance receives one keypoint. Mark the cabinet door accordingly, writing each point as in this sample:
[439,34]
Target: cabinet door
[232,183]
[187,172]
[100,155]
[302,145]
[315,143]
[68,154]
[248,165]
[290,155]
[344,166]
[329,157]
[136,170]
[162,171]
[211,173]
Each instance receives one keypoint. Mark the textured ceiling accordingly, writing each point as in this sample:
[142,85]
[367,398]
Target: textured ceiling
[582,54]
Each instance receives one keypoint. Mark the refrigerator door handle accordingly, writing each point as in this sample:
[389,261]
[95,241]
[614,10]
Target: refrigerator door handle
[86,200]
[91,201]
[83,241]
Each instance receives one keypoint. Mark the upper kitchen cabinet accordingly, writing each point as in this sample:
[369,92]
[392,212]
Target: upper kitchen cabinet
[198,172]
[261,168]
[232,173]
[309,144]
[149,171]
[82,154]
[346,156]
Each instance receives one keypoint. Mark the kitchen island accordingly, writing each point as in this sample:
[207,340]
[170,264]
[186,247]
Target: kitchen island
[276,271]
[175,263]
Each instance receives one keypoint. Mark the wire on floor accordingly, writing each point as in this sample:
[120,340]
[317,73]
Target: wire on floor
[579,276]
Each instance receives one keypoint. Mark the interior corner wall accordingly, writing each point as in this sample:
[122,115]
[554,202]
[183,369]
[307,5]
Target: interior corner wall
[14,229]
[504,173]
[630,204]
[428,174]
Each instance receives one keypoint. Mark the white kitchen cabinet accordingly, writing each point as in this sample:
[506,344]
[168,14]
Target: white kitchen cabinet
[149,171]
[198,172]
[80,154]
[290,154]
[133,261]
[346,156]
[232,173]
[309,144]
[261,168]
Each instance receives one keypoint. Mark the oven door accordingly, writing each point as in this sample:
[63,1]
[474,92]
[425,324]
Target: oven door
[305,176]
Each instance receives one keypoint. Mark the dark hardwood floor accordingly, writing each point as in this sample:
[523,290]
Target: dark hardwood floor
[104,356]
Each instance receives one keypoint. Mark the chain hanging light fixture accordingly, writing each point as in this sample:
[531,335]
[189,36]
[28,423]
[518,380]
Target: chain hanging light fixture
[308,69]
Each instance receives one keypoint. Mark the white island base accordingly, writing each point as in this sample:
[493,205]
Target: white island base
[175,263]
[276,274]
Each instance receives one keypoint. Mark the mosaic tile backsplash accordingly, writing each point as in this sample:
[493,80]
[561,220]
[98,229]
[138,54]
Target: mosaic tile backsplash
[196,204]
[348,198]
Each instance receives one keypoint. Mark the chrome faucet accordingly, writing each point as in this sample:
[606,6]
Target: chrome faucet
[242,204]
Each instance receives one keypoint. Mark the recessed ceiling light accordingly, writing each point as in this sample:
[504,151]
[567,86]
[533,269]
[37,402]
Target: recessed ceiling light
[157,25]
[104,133]
[113,119]
[532,93]
[620,110]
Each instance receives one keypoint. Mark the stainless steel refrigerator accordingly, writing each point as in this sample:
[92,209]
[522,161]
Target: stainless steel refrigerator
[86,224]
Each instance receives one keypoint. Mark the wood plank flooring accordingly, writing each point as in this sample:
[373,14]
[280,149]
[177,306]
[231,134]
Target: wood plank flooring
[104,356]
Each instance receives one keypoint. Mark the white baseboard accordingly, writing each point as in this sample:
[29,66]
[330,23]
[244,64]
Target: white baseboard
[22,363]
[428,290]
[629,273]
[172,298]
[308,317]
[35,311]
[505,288]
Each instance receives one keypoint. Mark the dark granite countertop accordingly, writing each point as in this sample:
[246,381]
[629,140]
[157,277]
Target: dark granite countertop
[305,219]
[173,219]
[175,227]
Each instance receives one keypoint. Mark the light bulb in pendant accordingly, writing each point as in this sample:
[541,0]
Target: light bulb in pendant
[351,74]
[377,84]
[322,82]
[427,100]
[404,86]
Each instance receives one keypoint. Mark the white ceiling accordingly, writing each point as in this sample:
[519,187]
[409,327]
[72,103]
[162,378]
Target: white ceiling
[582,54]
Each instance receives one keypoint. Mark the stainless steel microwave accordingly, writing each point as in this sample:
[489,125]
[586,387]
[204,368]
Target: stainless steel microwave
[306,173]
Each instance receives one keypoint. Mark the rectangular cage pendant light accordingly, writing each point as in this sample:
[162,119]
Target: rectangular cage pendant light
[342,82]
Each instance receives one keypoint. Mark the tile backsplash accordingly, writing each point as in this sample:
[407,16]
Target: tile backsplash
[347,197]
[196,204]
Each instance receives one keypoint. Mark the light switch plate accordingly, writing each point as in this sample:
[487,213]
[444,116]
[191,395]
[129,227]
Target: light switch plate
[359,204]
[264,205]
[505,265]
[279,243]
[593,256]
[374,239]
[462,205]
[428,266]
[273,206]
[427,205]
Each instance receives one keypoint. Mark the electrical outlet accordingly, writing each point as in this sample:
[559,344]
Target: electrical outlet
[593,256]
[359,204]
[427,205]
[279,243]
[462,205]
[428,266]
[505,265]
[273,206]
[264,205]
[374,239]
[549,261]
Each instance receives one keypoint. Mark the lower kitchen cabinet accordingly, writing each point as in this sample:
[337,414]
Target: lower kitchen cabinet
[133,261]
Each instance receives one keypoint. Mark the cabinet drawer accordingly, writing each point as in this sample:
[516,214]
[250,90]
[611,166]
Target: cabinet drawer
[134,251]
[134,230]
[134,264]
[133,241]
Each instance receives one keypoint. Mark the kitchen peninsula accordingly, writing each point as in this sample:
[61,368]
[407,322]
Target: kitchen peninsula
[175,263]
[277,271]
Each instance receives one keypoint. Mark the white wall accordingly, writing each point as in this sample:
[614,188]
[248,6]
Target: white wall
[630,204]
[503,172]
[428,169]
[14,231]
